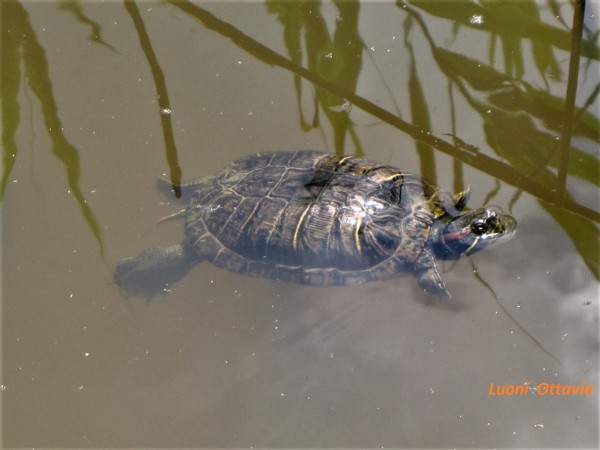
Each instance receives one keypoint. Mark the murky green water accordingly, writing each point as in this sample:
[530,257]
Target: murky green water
[101,99]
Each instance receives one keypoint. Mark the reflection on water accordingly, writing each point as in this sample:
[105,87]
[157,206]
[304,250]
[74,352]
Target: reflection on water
[466,94]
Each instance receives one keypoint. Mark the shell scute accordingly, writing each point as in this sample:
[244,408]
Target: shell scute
[313,215]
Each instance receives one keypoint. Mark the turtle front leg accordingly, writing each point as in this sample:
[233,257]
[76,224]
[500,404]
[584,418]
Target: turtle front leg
[428,275]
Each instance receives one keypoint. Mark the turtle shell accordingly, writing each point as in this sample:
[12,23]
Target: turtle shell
[313,218]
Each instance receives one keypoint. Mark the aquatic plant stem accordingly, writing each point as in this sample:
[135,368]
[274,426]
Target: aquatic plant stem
[162,96]
[565,138]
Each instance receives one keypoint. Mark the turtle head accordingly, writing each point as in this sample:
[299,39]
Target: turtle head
[470,232]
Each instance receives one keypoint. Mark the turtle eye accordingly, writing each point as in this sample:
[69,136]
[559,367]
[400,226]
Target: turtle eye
[479,227]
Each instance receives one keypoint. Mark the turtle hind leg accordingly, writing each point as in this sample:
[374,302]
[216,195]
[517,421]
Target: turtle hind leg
[429,277]
[154,269]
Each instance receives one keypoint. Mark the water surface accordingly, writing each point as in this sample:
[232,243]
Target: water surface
[222,360]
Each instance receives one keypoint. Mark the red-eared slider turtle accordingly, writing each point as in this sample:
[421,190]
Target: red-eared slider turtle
[319,219]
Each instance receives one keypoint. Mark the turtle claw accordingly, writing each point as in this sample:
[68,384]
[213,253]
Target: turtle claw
[445,296]
[436,288]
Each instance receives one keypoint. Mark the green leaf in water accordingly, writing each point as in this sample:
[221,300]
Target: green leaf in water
[420,117]
[505,19]
[514,137]
[36,69]
[11,76]
[290,15]
[546,107]
[480,76]
[513,57]
[336,58]
[96,30]
[583,233]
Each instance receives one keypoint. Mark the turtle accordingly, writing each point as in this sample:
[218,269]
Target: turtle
[316,218]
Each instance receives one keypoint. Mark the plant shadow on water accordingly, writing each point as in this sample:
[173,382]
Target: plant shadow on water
[501,97]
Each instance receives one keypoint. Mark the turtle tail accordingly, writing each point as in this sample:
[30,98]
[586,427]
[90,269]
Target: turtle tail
[154,270]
